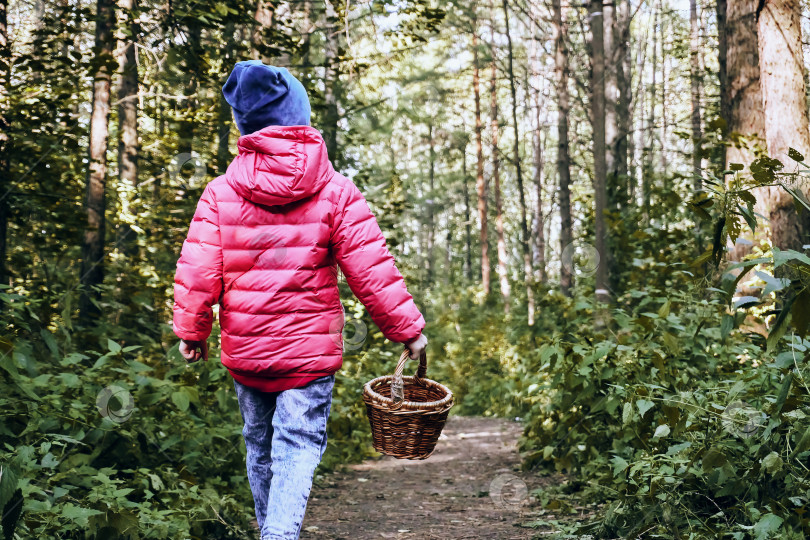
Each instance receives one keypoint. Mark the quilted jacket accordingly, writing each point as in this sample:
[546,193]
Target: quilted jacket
[265,243]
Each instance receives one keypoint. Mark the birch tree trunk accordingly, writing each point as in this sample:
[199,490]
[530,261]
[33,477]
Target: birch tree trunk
[785,104]
[92,267]
[563,156]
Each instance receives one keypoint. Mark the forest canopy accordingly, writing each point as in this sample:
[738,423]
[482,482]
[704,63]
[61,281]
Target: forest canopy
[601,208]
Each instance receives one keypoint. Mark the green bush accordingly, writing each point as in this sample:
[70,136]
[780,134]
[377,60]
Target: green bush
[697,433]
[128,441]
[671,410]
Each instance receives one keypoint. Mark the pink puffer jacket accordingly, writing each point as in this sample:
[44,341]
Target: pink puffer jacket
[265,243]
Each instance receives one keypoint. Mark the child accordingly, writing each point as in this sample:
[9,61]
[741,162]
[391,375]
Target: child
[265,243]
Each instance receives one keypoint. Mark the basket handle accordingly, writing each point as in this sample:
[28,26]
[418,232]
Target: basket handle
[397,385]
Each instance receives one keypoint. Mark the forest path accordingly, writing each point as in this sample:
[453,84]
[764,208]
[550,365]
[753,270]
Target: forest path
[471,487]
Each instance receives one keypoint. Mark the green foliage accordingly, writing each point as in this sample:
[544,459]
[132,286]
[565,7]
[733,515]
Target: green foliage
[125,440]
[673,425]
[683,409]
[119,441]
[690,433]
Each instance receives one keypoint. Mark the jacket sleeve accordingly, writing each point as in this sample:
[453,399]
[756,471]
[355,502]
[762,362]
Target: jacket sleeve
[370,270]
[198,281]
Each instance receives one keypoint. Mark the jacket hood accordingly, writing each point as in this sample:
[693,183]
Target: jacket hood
[280,165]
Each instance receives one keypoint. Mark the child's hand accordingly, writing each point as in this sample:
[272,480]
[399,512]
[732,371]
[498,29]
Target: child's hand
[417,347]
[193,351]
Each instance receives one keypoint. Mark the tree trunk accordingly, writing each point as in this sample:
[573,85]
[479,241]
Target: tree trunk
[265,12]
[467,215]
[92,267]
[741,99]
[188,123]
[503,275]
[703,30]
[745,115]
[331,81]
[224,116]
[524,226]
[431,236]
[694,78]
[650,142]
[307,28]
[5,181]
[664,118]
[224,119]
[128,146]
[539,143]
[481,184]
[611,106]
[639,110]
[721,9]
[624,114]
[563,155]
[599,165]
[615,200]
[539,231]
[785,104]
[448,264]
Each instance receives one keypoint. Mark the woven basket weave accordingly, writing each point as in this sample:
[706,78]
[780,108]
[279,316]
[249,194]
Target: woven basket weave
[410,428]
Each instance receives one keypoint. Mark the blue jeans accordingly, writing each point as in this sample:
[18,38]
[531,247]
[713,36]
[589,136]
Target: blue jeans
[285,436]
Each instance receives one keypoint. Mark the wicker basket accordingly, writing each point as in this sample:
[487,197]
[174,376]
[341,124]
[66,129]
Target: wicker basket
[407,428]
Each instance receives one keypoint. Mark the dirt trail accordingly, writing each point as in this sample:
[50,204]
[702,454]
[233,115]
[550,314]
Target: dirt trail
[471,487]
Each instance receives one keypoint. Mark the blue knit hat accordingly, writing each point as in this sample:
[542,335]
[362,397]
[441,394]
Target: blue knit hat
[262,95]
